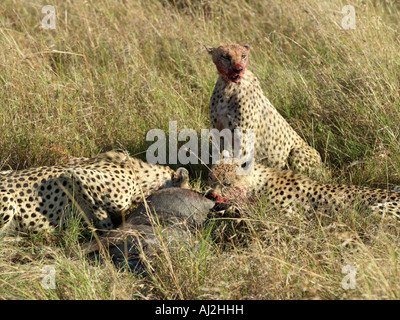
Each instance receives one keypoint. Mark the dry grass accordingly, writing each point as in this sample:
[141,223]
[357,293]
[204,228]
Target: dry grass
[112,70]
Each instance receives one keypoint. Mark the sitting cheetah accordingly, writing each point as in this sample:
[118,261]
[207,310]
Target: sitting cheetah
[104,186]
[288,190]
[238,102]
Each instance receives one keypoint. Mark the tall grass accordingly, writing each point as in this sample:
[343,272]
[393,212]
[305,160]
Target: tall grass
[112,70]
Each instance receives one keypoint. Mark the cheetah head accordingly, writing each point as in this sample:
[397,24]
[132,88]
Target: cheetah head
[230,60]
[226,184]
[179,179]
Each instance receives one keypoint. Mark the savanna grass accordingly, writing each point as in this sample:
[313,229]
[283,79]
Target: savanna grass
[112,70]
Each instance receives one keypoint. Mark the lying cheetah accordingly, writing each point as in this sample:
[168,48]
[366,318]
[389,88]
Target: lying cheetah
[104,186]
[289,191]
[238,102]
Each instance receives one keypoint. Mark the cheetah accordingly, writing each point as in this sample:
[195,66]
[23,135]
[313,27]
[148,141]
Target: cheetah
[238,102]
[103,187]
[290,192]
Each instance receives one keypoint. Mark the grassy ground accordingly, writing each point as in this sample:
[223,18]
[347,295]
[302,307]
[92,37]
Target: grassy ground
[112,70]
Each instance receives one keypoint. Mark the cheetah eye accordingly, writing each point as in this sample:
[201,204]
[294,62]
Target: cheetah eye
[226,58]
[244,56]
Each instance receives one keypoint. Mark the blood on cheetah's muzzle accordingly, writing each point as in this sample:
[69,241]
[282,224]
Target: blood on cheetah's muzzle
[215,197]
[236,78]
[236,73]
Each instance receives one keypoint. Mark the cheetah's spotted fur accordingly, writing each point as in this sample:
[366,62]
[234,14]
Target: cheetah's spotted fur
[238,102]
[104,186]
[290,191]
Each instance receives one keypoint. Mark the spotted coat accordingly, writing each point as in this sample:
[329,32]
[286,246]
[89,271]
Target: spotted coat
[238,102]
[290,191]
[103,187]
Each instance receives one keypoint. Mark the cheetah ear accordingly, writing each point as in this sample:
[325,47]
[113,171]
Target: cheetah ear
[247,46]
[209,49]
